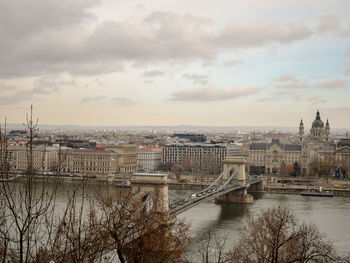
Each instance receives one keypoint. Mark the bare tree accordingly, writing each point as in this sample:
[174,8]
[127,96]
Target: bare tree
[139,232]
[25,206]
[213,249]
[177,169]
[275,236]
[90,228]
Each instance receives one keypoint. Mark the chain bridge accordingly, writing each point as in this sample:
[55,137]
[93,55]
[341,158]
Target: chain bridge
[230,186]
[179,204]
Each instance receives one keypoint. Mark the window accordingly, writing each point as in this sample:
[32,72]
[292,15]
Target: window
[275,156]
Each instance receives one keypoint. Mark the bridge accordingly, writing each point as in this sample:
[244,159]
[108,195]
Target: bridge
[181,204]
[230,186]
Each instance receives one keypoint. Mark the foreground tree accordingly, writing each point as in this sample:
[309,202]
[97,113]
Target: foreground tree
[138,231]
[213,249]
[275,236]
[90,227]
[25,207]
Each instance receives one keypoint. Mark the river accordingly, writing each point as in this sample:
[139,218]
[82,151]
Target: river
[330,215]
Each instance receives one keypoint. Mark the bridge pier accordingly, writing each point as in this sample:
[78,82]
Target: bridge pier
[152,190]
[241,196]
[238,197]
[257,187]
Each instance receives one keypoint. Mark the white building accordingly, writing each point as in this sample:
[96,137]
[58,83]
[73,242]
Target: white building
[199,156]
[45,158]
[149,159]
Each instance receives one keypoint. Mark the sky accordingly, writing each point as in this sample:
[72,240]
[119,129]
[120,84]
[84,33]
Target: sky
[161,62]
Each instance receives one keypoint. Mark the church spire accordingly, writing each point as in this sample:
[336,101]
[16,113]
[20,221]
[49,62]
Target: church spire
[301,130]
[328,132]
[318,117]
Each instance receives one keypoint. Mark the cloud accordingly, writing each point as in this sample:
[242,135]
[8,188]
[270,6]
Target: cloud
[293,84]
[237,34]
[24,95]
[285,77]
[46,85]
[89,99]
[342,109]
[153,73]
[286,81]
[331,84]
[19,20]
[347,62]
[347,70]
[122,101]
[330,24]
[212,93]
[316,100]
[42,37]
[286,94]
[196,78]
[5,88]
[234,62]
[289,82]
[104,99]
[263,99]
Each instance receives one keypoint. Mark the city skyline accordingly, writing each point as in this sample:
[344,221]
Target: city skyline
[158,63]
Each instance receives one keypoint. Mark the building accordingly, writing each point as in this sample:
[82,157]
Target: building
[44,158]
[273,157]
[318,132]
[149,159]
[126,157]
[190,137]
[198,157]
[90,162]
[342,155]
[234,150]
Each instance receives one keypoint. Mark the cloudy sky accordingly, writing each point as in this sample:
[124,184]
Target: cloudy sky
[161,62]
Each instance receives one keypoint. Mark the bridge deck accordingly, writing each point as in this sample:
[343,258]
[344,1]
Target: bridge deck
[208,194]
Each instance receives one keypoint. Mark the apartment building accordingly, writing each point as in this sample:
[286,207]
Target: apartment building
[149,159]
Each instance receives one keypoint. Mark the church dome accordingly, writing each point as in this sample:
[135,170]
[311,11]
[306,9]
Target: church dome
[318,123]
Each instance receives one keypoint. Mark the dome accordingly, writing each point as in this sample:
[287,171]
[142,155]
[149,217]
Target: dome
[318,123]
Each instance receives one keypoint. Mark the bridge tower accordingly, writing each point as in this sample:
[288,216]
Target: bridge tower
[241,196]
[232,163]
[152,189]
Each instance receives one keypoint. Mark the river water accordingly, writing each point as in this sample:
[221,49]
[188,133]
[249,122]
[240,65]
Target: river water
[330,215]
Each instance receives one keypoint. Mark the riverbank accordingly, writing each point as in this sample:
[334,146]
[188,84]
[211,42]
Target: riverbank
[297,189]
[271,186]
